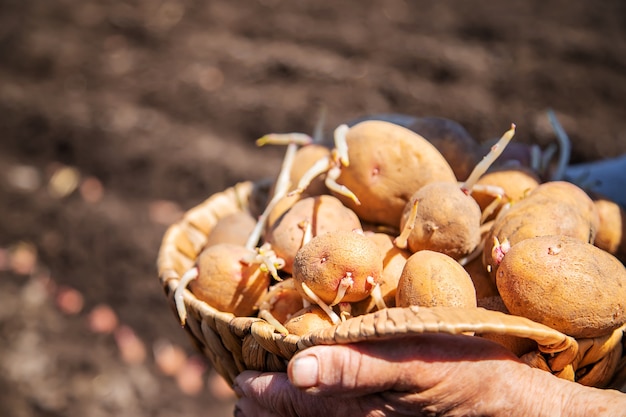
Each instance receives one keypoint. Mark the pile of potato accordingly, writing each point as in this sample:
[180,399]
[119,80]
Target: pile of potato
[390,218]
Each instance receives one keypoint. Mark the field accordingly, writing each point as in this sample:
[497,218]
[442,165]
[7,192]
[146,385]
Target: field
[116,117]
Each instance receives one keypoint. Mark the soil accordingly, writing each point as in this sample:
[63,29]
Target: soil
[115,117]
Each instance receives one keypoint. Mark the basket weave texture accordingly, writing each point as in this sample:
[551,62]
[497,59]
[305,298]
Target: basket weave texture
[234,344]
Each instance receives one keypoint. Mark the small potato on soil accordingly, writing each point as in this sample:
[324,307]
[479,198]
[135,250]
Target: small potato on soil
[564,283]
[431,279]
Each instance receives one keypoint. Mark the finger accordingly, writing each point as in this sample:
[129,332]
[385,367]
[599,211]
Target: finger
[268,394]
[271,394]
[411,364]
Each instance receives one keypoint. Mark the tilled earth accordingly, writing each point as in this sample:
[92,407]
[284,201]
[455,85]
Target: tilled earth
[115,117]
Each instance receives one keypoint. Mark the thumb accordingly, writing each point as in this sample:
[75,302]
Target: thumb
[339,368]
[401,365]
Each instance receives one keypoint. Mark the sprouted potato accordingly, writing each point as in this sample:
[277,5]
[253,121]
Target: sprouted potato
[227,277]
[319,214]
[280,303]
[387,164]
[611,235]
[304,159]
[444,219]
[565,283]
[509,184]
[431,279]
[335,267]
[234,228]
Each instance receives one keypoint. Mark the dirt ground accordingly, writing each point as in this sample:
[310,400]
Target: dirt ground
[117,116]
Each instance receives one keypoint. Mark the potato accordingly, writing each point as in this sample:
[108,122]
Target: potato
[564,283]
[611,235]
[282,300]
[516,183]
[447,220]
[431,279]
[234,228]
[226,283]
[281,207]
[324,213]
[338,266]
[571,194]
[553,208]
[388,163]
[304,159]
[394,260]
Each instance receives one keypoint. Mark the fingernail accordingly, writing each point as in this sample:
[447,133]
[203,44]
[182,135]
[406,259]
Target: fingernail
[304,372]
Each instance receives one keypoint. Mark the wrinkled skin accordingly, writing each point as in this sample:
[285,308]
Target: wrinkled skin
[430,375]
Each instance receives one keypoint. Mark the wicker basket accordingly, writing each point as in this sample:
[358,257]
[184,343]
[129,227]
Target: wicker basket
[234,344]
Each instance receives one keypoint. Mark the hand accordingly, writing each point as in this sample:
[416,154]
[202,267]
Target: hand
[424,374]
[435,374]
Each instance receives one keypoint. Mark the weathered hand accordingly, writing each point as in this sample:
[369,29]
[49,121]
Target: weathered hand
[433,375]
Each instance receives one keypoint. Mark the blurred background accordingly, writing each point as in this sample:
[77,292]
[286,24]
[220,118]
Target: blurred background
[116,117]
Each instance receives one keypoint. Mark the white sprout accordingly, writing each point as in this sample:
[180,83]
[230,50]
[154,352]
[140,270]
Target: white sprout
[179,301]
[377,294]
[491,207]
[282,182]
[331,165]
[317,300]
[341,144]
[487,161]
[344,285]
[266,315]
[266,258]
[402,240]
[319,167]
